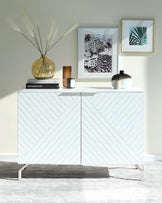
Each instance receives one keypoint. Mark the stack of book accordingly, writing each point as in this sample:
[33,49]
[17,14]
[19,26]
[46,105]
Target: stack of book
[52,83]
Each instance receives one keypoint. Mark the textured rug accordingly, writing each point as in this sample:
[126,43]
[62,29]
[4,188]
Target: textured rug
[50,183]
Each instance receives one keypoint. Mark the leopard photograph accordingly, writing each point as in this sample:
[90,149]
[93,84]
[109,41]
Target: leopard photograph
[97,53]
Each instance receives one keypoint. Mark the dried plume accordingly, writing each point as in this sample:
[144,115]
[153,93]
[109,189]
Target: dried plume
[34,31]
[51,30]
[65,34]
[13,24]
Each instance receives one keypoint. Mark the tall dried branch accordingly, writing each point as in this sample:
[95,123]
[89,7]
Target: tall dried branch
[17,29]
[65,34]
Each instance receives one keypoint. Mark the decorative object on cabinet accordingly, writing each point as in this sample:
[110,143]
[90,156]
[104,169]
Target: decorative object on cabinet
[97,52]
[66,74]
[70,83]
[52,83]
[121,80]
[137,35]
[83,126]
[35,81]
[42,68]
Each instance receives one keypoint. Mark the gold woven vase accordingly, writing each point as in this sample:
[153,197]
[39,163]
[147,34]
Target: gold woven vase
[43,68]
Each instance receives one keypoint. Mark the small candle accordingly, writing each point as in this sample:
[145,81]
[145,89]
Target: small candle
[70,82]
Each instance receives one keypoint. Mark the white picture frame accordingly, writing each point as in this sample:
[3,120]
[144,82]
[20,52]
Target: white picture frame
[97,52]
[137,36]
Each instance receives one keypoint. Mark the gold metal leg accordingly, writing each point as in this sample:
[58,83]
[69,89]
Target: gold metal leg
[20,171]
[141,168]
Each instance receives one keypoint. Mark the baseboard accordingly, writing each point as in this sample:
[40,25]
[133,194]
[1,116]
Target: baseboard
[8,157]
[153,157]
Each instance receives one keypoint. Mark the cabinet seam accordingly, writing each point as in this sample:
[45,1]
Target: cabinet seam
[81,128]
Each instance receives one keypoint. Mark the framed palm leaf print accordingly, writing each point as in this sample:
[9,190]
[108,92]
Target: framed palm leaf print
[137,35]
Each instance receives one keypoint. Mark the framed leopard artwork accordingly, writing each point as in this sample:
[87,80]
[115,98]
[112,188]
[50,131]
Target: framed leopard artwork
[97,52]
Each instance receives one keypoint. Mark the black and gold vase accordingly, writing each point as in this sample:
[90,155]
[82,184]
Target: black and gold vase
[121,81]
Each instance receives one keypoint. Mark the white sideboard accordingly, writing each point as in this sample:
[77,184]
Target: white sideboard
[89,126]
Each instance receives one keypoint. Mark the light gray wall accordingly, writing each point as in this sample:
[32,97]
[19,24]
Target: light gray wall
[17,56]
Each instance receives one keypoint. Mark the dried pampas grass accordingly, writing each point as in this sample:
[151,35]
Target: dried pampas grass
[65,34]
[13,24]
[34,32]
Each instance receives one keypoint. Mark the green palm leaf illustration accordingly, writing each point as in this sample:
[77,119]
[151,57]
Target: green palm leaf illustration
[137,36]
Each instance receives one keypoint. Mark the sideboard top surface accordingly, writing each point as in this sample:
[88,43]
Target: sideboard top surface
[82,90]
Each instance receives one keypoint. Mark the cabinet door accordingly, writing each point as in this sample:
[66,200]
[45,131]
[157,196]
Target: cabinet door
[113,128]
[48,128]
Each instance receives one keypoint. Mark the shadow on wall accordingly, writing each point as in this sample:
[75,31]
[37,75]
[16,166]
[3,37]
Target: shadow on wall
[154,98]
[17,56]
[14,73]
[16,65]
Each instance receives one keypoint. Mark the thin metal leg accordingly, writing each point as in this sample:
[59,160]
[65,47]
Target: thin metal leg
[141,168]
[20,171]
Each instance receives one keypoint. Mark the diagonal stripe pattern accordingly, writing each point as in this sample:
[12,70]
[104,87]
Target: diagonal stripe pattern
[109,128]
[113,128]
[48,128]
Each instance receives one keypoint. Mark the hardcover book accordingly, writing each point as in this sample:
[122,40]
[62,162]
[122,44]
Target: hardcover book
[35,81]
[42,86]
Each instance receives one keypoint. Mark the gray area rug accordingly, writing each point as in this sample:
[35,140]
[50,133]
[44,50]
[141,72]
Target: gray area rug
[52,183]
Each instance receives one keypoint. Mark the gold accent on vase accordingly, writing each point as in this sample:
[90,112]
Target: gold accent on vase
[43,68]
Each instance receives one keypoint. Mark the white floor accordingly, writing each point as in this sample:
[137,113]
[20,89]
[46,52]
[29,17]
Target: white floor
[122,186]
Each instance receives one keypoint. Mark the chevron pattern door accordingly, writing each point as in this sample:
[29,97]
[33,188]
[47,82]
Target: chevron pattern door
[48,128]
[113,128]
